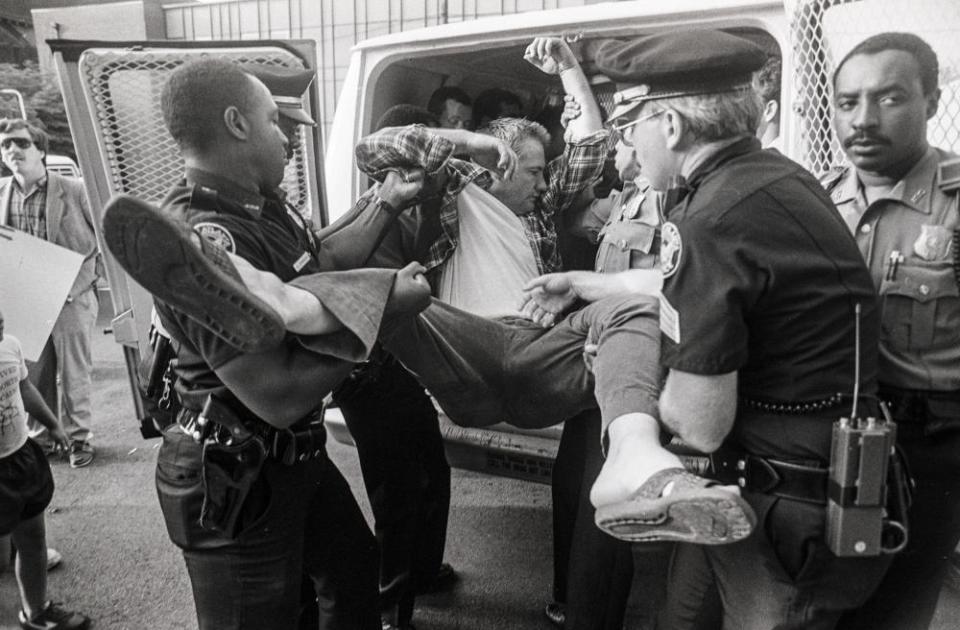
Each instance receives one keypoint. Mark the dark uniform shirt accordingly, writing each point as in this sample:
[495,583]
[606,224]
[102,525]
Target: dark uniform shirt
[907,239]
[271,237]
[762,277]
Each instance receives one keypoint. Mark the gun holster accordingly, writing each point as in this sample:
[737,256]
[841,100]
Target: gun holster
[228,474]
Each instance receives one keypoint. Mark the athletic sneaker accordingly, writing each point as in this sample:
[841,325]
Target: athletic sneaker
[54,558]
[52,617]
[81,454]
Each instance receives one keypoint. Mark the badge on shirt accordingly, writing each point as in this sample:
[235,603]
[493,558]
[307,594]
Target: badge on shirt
[671,248]
[933,242]
[669,320]
[301,262]
[217,234]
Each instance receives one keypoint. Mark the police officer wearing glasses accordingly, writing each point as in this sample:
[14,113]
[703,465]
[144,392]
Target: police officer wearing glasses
[757,317]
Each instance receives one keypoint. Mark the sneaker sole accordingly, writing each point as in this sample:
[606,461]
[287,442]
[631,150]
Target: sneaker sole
[159,254]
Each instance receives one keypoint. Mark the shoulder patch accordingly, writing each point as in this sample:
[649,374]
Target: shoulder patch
[948,175]
[218,234]
[671,248]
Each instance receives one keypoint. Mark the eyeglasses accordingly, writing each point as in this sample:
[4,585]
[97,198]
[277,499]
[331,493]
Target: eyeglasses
[618,130]
[22,143]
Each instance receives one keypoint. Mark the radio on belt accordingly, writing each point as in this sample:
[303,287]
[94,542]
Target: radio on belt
[861,452]
[857,491]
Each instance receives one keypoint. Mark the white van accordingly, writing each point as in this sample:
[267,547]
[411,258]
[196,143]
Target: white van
[111,90]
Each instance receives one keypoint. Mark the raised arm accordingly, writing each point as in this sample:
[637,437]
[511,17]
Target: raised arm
[553,55]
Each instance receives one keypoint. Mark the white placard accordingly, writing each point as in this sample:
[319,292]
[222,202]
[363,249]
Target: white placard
[35,279]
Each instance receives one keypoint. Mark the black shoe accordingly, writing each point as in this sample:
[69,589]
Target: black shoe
[188,272]
[386,625]
[443,582]
[556,613]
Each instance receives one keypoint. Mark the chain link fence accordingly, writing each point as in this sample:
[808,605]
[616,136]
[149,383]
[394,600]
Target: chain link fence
[823,31]
[123,88]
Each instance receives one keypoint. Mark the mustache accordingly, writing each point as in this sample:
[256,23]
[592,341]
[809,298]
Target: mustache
[862,137]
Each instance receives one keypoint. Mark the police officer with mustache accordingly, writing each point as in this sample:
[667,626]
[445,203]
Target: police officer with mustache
[900,200]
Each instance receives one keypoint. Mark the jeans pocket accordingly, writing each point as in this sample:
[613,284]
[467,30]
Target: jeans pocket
[180,490]
[795,531]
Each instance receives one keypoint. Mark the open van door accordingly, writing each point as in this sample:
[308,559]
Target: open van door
[112,96]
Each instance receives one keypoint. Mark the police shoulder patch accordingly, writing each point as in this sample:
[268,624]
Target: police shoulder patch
[671,248]
[218,234]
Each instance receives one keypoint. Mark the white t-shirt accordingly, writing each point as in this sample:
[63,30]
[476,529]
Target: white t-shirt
[486,272]
[13,418]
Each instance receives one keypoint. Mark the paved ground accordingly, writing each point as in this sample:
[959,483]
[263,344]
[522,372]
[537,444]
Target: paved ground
[120,568]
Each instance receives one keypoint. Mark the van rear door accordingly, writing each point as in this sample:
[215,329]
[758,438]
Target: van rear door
[112,97]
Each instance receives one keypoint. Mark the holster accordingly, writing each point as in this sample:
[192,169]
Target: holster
[156,389]
[229,473]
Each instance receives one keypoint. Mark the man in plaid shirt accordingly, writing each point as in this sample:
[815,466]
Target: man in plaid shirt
[537,193]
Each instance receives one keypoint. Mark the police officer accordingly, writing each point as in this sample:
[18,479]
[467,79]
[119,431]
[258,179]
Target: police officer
[593,572]
[757,315]
[901,203]
[254,502]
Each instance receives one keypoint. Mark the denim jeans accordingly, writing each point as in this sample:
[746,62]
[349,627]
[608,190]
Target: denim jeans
[784,576]
[299,519]
[483,371]
[405,472]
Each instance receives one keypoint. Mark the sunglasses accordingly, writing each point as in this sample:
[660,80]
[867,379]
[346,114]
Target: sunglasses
[22,143]
[618,131]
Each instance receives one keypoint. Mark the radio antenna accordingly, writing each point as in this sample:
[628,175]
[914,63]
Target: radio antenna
[856,361]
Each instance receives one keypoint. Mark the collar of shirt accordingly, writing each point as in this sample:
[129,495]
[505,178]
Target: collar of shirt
[227,191]
[39,186]
[735,147]
[913,191]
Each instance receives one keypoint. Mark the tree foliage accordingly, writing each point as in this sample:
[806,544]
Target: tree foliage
[43,101]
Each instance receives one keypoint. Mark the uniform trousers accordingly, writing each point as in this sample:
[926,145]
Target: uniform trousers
[298,520]
[907,597]
[593,571]
[68,354]
[405,472]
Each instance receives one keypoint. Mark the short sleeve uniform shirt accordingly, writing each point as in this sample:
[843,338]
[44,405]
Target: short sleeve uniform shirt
[762,277]
[257,228]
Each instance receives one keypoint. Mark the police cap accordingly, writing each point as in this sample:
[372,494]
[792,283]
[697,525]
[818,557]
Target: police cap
[287,87]
[676,64]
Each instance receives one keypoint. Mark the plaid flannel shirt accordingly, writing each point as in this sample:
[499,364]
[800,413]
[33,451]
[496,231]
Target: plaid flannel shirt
[28,212]
[415,147]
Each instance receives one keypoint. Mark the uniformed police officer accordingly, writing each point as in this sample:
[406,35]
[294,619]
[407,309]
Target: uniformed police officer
[593,572]
[900,200]
[757,315]
[257,502]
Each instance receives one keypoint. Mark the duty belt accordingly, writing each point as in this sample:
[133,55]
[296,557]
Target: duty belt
[800,482]
[305,439]
[793,408]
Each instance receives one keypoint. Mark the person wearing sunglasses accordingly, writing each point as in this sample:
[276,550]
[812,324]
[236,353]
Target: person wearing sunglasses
[54,208]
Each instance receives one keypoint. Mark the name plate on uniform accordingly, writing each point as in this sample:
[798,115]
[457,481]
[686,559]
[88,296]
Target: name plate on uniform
[35,279]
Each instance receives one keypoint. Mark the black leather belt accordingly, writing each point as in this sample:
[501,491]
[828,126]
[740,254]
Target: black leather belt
[305,439]
[799,482]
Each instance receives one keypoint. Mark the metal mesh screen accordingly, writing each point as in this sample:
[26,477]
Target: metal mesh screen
[123,88]
[823,31]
